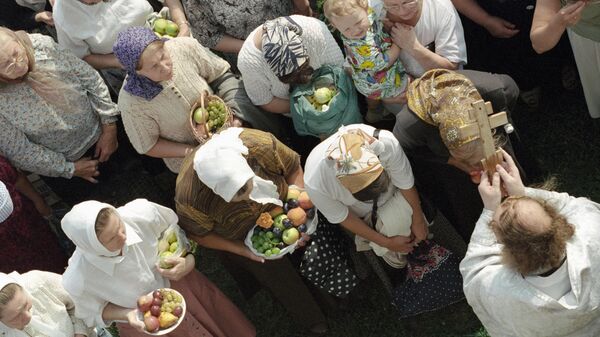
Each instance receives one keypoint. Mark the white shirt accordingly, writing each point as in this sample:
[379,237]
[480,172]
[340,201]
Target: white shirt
[262,85]
[135,275]
[509,305]
[439,26]
[331,197]
[93,29]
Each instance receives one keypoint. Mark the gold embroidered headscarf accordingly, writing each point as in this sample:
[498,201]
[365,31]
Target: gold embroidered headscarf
[443,98]
[356,165]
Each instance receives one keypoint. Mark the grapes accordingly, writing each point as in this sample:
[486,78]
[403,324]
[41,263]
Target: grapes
[217,114]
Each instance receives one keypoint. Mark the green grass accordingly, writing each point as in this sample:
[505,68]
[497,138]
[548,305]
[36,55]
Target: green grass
[562,138]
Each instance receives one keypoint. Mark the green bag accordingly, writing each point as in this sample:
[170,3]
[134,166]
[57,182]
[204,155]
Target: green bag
[343,107]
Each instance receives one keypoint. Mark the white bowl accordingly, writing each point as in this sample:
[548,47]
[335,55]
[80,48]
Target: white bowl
[172,327]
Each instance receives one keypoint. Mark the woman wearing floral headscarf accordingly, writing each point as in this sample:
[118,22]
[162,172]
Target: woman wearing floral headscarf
[281,52]
[36,304]
[115,263]
[164,80]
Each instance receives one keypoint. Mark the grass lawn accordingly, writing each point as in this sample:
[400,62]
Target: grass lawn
[563,139]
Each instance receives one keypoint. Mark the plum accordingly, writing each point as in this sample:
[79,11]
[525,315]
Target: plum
[155,310]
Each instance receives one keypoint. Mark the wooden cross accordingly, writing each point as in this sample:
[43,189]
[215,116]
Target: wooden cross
[484,121]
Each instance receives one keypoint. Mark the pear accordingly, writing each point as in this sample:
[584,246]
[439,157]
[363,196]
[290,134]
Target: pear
[172,237]
[166,319]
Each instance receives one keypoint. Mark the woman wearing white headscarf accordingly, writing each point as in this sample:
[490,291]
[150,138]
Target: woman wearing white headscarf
[115,263]
[35,304]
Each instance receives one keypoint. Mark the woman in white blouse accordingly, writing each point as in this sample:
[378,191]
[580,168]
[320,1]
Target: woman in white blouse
[36,304]
[281,52]
[115,263]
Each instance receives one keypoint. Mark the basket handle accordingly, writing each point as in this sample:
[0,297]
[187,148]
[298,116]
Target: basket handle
[203,94]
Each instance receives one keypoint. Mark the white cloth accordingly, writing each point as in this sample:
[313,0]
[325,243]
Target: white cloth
[260,81]
[509,305]
[94,281]
[51,309]
[587,57]
[220,164]
[331,197]
[93,29]
[439,26]
[6,205]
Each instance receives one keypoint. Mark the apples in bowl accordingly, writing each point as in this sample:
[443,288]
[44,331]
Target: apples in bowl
[161,311]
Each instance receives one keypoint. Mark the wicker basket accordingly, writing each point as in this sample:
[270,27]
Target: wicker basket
[201,131]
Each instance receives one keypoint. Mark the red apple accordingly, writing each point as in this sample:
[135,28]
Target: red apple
[155,310]
[177,311]
[144,303]
[157,294]
[157,301]
[151,323]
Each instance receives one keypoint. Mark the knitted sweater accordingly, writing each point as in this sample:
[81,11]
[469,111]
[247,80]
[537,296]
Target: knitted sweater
[167,115]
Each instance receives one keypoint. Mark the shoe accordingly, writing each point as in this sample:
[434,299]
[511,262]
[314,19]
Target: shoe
[319,329]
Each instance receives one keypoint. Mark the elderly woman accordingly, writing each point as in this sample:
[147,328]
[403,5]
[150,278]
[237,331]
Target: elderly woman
[115,263]
[55,111]
[532,262]
[36,304]
[164,81]
[22,226]
[282,52]
[222,189]
[223,26]
[581,20]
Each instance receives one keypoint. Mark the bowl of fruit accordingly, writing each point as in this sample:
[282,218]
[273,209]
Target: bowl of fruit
[161,311]
[277,232]
[209,115]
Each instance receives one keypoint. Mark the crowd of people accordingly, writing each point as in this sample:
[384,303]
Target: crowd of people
[78,102]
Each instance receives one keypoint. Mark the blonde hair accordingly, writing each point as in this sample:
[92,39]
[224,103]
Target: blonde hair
[7,294]
[337,8]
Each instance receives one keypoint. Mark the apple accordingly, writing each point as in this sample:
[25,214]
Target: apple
[155,310]
[144,303]
[276,211]
[172,29]
[157,294]
[297,216]
[290,236]
[200,115]
[157,301]
[173,247]
[151,323]
[278,221]
[172,237]
[293,193]
[304,201]
[160,26]
[177,311]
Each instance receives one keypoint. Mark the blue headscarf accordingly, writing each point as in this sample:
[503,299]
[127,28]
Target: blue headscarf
[128,48]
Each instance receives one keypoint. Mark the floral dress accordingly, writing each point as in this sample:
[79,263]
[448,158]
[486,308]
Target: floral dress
[371,74]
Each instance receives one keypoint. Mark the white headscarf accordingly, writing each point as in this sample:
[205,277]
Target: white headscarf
[6,205]
[221,166]
[36,323]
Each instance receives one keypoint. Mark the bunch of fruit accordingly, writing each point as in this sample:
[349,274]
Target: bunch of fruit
[168,246]
[214,115]
[161,309]
[282,226]
[165,28]
[321,98]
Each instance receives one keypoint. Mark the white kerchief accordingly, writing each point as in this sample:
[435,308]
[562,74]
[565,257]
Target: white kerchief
[220,164]
[6,205]
[36,323]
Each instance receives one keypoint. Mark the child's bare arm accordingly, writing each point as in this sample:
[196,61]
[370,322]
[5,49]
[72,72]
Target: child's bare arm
[392,54]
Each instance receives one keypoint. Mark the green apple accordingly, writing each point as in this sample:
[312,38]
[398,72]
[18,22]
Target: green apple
[172,29]
[200,115]
[173,247]
[290,236]
[278,221]
[172,237]
[160,26]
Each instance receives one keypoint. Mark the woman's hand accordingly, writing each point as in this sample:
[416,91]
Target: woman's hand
[419,229]
[498,27]
[45,17]
[247,253]
[570,14]
[134,322]
[490,192]
[184,29]
[511,179]
[107,143]
[400,244]
[181,267]
[87,168]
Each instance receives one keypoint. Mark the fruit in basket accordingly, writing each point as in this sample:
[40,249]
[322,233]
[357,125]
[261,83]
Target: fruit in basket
[173,247]
[292,203]
[276,211]
[304,201]
[290,236]
[217,114]
[172,237]
[302,228]
[310,213]
[151,323]
[157,294]
[160,26]
[200,115]
[163,245]
[172,29]
[277,232]
[287,223]
[293,193]
[297,216]
[144,303]
[321,98]
[155,310]
[278,222]
[166,319]
[178,311]
[264,220]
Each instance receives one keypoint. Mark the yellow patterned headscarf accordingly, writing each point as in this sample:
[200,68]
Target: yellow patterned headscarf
[443,98]
[356,165]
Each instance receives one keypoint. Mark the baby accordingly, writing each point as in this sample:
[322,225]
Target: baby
[377,71]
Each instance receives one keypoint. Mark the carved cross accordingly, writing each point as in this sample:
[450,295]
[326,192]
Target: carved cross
[484,120]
